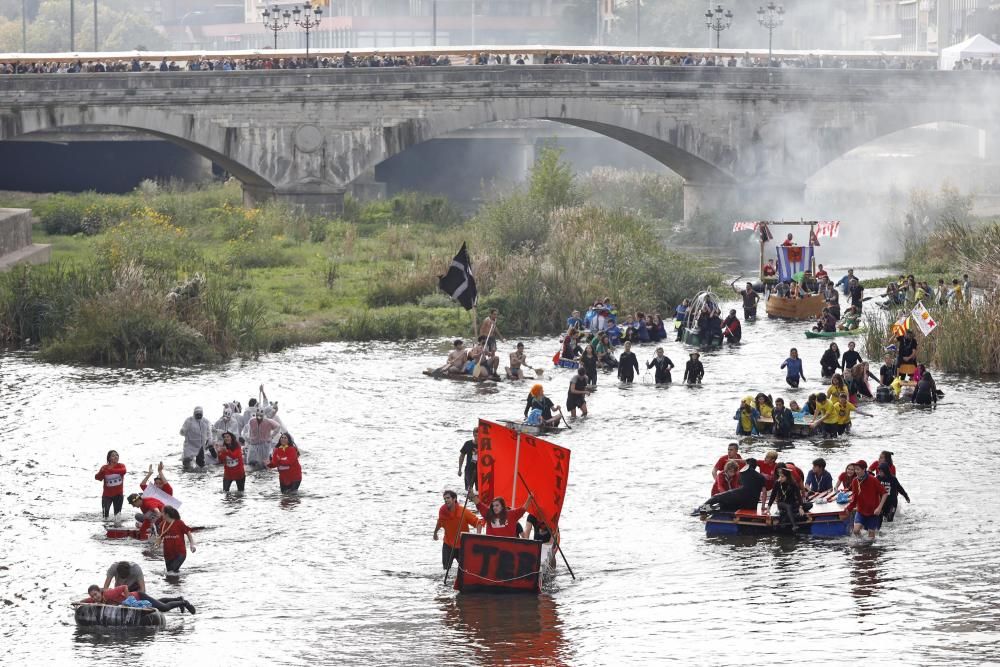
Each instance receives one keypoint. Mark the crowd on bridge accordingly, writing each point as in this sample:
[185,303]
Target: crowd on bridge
[227,64]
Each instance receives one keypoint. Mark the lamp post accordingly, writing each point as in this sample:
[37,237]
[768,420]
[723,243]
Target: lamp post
[276,20]
[72,25]
[95,27]
[308,19]
[770,16]
[24,26]
[434,22]
[718,19]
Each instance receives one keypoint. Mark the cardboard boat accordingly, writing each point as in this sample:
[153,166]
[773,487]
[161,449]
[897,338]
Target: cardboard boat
[807,308]
[491,564]
[825,519]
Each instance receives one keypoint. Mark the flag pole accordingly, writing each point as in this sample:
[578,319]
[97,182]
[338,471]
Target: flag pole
[475,325]
[554,529]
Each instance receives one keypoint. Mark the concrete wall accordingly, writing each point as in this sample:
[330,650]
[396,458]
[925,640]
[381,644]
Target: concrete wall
[15,240]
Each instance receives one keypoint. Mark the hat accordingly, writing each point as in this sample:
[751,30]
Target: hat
[198,408]
[132,497]
[695,354]
[861,464]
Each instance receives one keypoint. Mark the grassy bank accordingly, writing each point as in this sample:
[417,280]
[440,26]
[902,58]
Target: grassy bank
[941,239]
[167,275]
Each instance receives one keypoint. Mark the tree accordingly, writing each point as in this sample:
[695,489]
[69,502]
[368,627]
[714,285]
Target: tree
[551,183]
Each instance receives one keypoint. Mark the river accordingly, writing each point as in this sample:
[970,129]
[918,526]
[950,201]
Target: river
[347,573]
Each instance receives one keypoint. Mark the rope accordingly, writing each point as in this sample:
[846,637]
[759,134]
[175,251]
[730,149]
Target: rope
[498,581]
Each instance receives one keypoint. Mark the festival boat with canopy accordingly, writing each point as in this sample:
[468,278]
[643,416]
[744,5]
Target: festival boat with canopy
[518,464]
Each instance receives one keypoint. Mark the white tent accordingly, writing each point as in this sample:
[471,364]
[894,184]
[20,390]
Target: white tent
[975,47]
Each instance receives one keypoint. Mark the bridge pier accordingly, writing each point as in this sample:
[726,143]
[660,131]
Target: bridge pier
[309,200]
[747,200]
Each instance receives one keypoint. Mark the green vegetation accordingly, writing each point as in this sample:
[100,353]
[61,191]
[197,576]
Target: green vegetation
[941,239]
[165,275]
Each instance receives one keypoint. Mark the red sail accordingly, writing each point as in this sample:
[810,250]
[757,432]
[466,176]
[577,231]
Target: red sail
[507,463]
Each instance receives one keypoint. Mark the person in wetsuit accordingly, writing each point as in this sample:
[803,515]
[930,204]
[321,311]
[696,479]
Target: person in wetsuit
[694,370]
[894,488]
[746,497]
[731,328]
[628,365]
[588,362]
[926,391]
[663,366]
[830,361]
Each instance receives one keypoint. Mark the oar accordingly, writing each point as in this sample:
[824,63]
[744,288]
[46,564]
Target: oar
[564,422]
[555,529]
[451,555]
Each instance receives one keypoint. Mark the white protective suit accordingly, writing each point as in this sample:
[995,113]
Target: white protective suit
[261,435]
[197,434]
[228,422]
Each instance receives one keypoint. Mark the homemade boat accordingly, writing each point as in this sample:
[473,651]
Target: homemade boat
[801,427]
[691,333]
[565,363]
[827,518]
[835,334]
[117,616]
[806,308]
[517,464]
[459,377]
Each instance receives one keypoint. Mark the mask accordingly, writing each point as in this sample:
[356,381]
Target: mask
[197,415]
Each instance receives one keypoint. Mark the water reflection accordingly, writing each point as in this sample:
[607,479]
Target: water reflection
[507,629]
[866,575]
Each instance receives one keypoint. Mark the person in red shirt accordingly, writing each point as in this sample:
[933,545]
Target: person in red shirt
[868,498]
[231,458]
[797,476]
[729,479]
[172,534]
[151,511]
[160,480]
[767,467]
[113,476]
[117,595]
[845,478]
[788,241]
[500,520]
[285,458]
[821,273]
[769,269]
[884,457]
[732,454]
[454,520]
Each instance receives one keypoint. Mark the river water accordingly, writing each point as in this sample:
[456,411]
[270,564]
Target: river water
[347,572]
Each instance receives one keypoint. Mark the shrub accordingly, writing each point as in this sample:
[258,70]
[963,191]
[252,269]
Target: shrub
[396,288]
[148,238]
[37,301]
[511,223]
[551,182]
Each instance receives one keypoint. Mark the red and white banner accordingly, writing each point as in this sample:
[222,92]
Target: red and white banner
[829,228]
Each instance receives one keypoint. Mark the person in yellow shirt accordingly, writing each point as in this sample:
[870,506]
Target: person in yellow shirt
[836,388]
[837,418]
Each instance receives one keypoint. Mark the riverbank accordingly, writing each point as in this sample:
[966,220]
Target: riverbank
[180,277]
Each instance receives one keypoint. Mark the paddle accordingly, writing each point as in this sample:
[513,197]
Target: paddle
[477,371]
[452,552]
[564,422]
[555,529]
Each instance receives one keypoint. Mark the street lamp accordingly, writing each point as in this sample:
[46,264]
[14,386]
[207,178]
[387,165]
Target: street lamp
[770,17]
[95,27]
[718,19]
[308,19]
[276,20]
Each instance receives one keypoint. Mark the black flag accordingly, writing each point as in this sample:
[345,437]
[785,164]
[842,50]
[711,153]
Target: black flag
[459,283]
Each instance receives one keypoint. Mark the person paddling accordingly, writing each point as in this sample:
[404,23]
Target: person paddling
[112,474]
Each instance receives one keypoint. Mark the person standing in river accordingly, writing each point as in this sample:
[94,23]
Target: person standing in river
[469,454]
[285,458]
[750,299]
[694,370]
[628,365]
[112,474]
[793,368]
[454,520]
[663,366]
[576,397]
[197,432]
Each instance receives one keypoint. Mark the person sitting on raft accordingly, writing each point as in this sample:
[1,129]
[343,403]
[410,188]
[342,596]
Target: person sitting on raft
[574,321]
[747,496]
[732,454]
[456,359]
[818,480]
[538,401]
[850,321]
[830,361]
[570,346]
[746,419]
[694,371]
[150,512]
[728,479]
[826,322]
[118,595]
[500,520]
[786,493]
[663,366]
[481,355]
[628,365]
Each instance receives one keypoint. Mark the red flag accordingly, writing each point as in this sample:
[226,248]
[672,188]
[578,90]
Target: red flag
[509,460]
[794,254]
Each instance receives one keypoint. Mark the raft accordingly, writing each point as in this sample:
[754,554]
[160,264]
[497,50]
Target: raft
[828,519]
[431,372]
[117,616]
[835,334]
[807,308]
[531,429]
[801,427]
[691,336]
[492,564]
[567,363]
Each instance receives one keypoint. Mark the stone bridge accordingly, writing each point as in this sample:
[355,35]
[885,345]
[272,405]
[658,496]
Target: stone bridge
[735,135]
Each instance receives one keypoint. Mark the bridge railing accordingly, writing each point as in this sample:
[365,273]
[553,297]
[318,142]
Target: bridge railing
[13,63]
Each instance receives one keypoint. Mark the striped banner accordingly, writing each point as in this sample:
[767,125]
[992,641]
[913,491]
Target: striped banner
[792,259]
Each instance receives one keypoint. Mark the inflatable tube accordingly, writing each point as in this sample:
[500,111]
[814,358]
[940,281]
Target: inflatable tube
[109,615]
